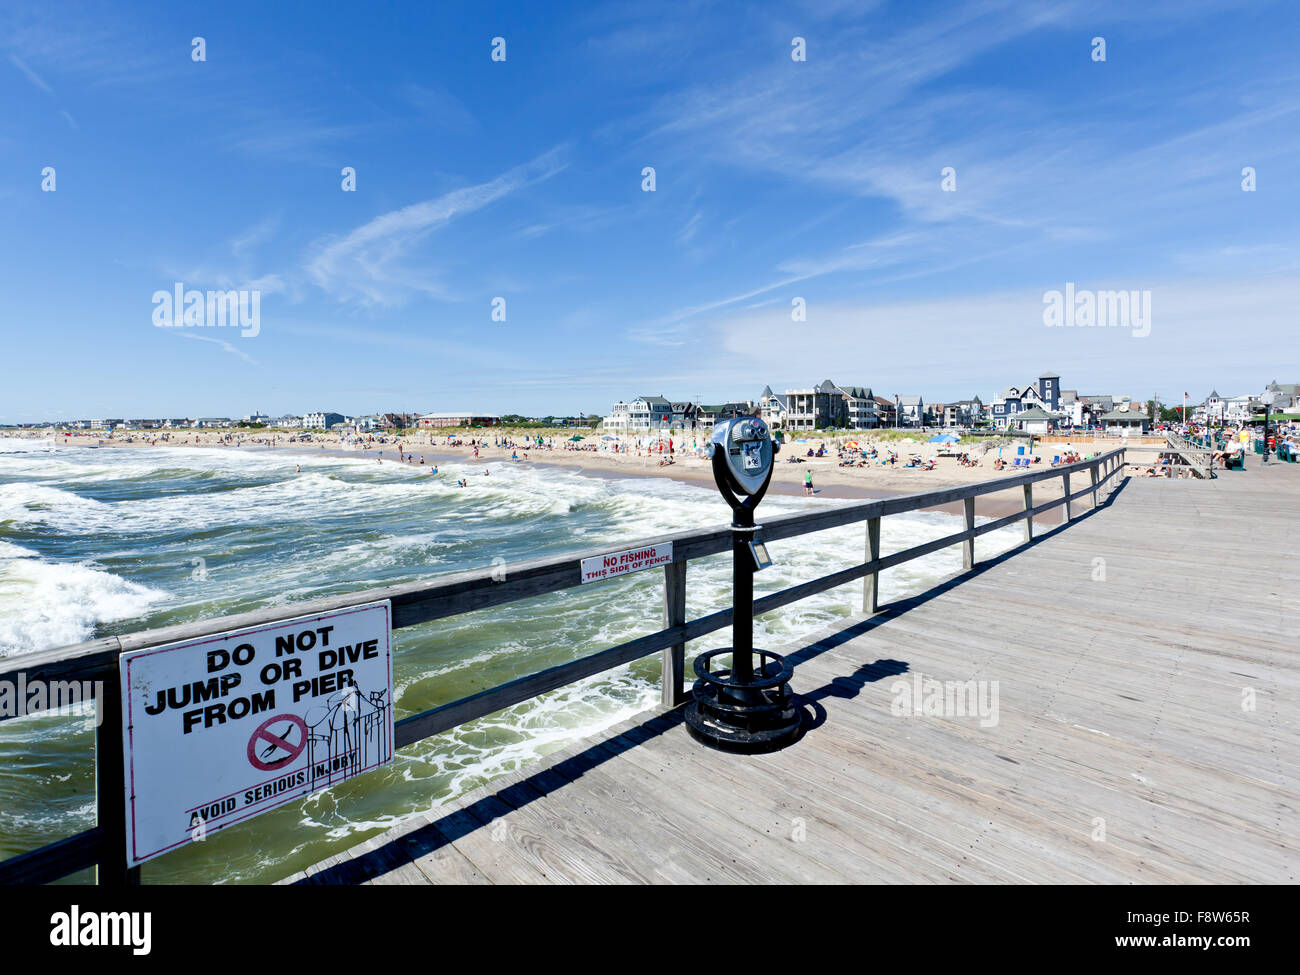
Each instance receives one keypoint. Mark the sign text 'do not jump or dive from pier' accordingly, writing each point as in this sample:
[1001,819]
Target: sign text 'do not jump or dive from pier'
[220,729]
[620,563]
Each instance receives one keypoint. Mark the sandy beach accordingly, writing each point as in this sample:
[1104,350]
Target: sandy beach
[830,479]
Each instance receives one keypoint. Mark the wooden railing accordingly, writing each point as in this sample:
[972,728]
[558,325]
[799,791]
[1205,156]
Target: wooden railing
[1196,456]
[104,845]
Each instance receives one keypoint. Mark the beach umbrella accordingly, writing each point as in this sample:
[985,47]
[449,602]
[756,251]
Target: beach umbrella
[575,437]
[607,437]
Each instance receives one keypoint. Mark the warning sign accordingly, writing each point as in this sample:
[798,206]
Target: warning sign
[621,563]
[265,742]
[223,728]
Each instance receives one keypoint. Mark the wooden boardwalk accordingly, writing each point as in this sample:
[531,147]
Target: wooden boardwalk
[1122,752]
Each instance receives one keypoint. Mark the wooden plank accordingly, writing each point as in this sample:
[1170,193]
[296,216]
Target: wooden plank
[871,582]
[673,667]
[968,547]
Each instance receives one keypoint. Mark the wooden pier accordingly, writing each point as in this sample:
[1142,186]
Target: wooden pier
[1145,657]
[1134,669]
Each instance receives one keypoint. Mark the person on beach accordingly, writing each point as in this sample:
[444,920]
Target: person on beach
[297,469]
[807,484]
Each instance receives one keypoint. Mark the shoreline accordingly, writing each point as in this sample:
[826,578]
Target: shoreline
[831,482]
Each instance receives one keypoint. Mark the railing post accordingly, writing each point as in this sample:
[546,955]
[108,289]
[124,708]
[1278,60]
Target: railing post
[1093,471]
[968,546]
[1029,512]
[871,581]
[673,668]
[110,791]
[1067,497]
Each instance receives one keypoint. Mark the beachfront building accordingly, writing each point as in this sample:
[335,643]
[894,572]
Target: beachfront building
[1094,407]
[321,420]
[646,414]
[105,424]
[685,415]
[1035,420]
[1045,393]
[256,417]
[1227,410]
[287,422]
[1209,410]
[911,411]
[886,411]
[212,423]
[615,421]
[1281,397]
[451,420]
[709,415]
[962,413]
[1239,409]
[815,408]
[1125,418]
[773,409]
[830,405]
[860,408]
[1082,411]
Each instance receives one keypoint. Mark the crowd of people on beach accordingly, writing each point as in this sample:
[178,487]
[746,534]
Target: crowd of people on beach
[1224,447]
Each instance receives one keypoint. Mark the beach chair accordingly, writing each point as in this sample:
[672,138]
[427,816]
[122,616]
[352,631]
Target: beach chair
[1237,462]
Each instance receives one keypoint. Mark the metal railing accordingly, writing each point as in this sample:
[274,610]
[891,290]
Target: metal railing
[104,845]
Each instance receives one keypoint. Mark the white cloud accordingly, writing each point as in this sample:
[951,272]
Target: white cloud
[32,76]
[365,263]
[226,346]
[974,342]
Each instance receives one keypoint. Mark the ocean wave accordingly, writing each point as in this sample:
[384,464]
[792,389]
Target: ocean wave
[47,604]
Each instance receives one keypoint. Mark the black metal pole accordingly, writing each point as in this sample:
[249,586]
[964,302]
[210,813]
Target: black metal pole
[742,599]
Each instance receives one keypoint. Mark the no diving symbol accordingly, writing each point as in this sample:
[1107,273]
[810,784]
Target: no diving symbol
[275,744]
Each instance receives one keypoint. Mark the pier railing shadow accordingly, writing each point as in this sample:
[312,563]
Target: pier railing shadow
[104,845]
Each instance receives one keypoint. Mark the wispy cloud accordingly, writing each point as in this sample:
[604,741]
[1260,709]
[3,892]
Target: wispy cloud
[225,346]
[365,264]
[255,236]
[32,76]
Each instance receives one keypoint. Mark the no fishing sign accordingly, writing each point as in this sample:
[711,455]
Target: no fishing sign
[228,726]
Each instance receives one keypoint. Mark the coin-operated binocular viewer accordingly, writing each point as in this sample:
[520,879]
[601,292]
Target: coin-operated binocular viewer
[744,708]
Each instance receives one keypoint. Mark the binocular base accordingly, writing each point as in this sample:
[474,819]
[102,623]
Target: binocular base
[755,716]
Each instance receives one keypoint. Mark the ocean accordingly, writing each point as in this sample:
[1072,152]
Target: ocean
[95,542]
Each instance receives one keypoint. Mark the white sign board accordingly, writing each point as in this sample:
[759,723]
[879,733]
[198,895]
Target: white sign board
[220,729]
[620,563]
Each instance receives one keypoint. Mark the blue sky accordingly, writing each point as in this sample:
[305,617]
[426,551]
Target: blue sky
[522,179]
